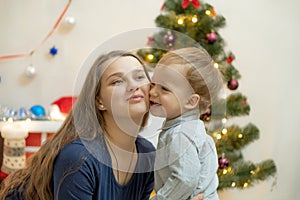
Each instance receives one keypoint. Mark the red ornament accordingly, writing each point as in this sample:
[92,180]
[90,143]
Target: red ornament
[150,41]
[230,58]
[211,37]
[223,162]
[233,84]
[206,116]
[195,3]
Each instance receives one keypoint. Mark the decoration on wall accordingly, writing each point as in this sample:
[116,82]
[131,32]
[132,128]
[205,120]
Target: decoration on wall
[53,51]
[30,71]
[69,21]
[12,56]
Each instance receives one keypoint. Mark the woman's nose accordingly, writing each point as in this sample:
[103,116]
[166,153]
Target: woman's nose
[132,86]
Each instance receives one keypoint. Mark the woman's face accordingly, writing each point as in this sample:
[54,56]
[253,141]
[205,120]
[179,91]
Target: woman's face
[125,89]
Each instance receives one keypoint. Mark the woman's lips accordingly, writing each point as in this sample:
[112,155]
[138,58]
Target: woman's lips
[135,98]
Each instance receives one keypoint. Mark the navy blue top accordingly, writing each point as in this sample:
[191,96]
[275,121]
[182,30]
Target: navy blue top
[78,175]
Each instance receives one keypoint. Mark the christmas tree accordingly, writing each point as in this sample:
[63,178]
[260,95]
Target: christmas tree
[199,21]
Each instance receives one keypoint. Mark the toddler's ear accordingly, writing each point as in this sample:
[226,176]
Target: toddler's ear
[193,101]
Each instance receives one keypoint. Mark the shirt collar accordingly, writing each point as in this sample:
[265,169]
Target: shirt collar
[188,116]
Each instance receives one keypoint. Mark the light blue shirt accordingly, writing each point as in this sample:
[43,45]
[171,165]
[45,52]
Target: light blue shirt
[186,160]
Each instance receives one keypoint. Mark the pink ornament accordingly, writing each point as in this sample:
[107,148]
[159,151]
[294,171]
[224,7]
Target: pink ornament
[211,37]
[223,162]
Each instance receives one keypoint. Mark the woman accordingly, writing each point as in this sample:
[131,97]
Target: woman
[100,133]
[97,153]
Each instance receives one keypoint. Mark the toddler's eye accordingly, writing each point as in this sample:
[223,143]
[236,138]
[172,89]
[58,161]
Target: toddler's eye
[165,89]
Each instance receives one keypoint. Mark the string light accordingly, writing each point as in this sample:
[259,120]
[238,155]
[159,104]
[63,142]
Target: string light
[225,171]
[224,131]
[208,12]
[224,120]
[245,185]
[240,136]
[233,184]
[218,136]
[194,19]
[180,20]
[216,65]
[150,57]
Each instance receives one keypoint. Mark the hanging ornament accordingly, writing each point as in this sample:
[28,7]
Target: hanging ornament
[223,162]
[244,102]
[230,58]
[206,116]
[53,51]
[211,37]
[169,39]
[233,84]
[30,71]
[69,21]
[195,3]
[150,41]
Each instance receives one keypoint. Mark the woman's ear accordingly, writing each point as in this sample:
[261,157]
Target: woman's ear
[193,101]
[99,104]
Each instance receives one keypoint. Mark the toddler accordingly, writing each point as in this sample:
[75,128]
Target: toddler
[185,83]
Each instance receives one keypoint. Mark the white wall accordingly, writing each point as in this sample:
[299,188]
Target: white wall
[262,34]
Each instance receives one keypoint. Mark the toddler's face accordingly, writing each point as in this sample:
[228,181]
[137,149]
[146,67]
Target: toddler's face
[170,91]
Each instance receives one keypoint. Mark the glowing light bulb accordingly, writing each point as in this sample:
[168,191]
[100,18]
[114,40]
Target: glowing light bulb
[218,136]
[208,12]
[240,135]
[224,131]
[194,19]
[216,65]
[180,21]
[224,120]
[245,184]
[233,184]
[225,171]
[150,57]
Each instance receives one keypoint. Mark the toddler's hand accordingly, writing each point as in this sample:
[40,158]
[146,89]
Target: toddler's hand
[198,197]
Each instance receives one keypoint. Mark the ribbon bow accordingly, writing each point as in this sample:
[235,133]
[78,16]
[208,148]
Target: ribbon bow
[195,3]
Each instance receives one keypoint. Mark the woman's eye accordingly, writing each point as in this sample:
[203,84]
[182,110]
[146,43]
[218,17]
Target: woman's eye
[140,77]
[118,81]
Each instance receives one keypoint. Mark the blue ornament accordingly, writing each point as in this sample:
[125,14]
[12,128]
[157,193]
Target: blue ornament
[53,51]
[22,114]
[9,112]
[38,111]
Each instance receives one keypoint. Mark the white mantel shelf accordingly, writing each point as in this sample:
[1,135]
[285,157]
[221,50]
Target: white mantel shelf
[38,125]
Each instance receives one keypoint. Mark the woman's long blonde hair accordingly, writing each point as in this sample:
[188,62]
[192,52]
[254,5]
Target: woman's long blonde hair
[84,121]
